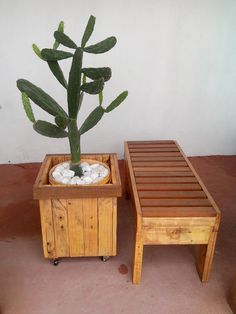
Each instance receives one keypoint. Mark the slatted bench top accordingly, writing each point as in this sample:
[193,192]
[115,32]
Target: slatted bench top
[165,181]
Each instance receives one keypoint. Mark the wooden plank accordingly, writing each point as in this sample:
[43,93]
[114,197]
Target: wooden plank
[161,169]
[154,150]
[42,190]
[133,188]
[114,226]
[172,194]
[159,164]
[188,211]
[49,246]
[200,182]
[157,158]
[151,142]
[163,174]
[59,209]
[42,177]
[206,253]
[72,191]
[105,232]
[178,235]
[170,145]
[156,154]
[90,226]
[174,202]
[150,223]
[138,258]
[169,187]
[76,227]
[166,180]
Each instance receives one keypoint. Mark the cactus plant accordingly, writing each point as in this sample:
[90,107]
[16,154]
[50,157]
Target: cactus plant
[81,80]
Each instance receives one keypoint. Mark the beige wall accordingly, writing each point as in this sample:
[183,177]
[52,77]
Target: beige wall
[177,58]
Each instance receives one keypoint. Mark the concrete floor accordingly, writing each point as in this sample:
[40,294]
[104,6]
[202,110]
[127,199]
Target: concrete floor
[29,284]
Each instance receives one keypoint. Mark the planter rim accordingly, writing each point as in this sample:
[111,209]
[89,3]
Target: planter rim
[43,190]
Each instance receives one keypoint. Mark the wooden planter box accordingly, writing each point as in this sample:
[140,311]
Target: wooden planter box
[78,220]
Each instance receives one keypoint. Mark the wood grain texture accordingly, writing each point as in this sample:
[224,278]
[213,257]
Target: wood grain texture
[105,228]
[43,190]
[47,227]
[78,220]
[172,204]
[61,227]
[90,221]
[76,227]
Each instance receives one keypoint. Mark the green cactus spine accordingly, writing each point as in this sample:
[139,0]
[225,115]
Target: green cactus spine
[66,123]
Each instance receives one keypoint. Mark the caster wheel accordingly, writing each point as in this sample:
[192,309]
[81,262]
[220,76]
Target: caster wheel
[105,258]
[55,261]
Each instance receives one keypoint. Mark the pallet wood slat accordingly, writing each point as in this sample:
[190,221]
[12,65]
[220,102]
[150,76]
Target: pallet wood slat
[156,154]
[168,186]
[183,211]
[76,227]
[90,226]
[157,158]
[166,180]
[159,164]
[159,173]
[172,204]
[105,236]
[60,227]
[171,194]
[153,150]
[47,227]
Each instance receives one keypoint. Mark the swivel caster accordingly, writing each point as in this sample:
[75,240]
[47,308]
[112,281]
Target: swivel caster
[105,258]
[55,261]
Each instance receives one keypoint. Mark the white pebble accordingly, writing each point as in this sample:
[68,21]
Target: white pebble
[66,180]
[94,175]
[94,166]
[68,173]
[74,180]
[56,174]
[87,180]
[104,173]
[79,181]
[59,168]
[86,168]
[66,165]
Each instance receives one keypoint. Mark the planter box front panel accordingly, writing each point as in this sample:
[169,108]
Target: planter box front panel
[83,227]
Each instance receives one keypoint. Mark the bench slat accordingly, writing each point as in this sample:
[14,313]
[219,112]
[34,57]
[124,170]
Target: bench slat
[174,202]
[159,163]
[156,154]
[154,150]
[172,211]
[147,169]
[139,173]
[169,187]
[165,180]
[172,194]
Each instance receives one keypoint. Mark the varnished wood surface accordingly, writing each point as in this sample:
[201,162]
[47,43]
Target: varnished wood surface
[165,179]
[172,203]
[43,190]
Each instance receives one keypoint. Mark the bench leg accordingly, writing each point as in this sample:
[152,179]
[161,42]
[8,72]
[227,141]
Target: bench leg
[205,255]
[138,259]
[126,179]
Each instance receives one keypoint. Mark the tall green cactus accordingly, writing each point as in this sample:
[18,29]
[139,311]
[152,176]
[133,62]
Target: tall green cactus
[81,80]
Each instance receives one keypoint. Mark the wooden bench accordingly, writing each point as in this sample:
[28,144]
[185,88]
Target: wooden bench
[172,204]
